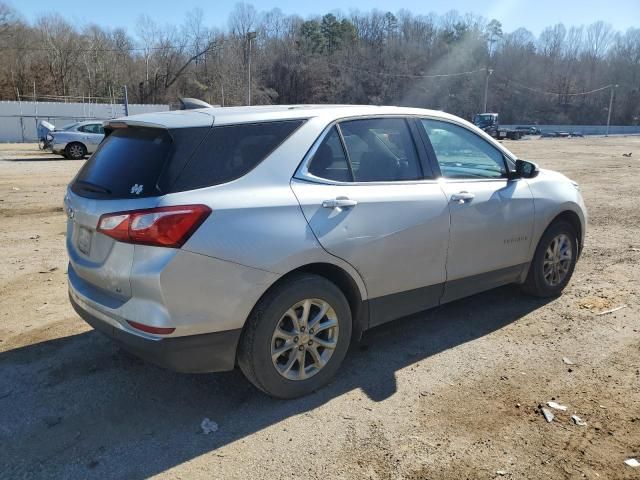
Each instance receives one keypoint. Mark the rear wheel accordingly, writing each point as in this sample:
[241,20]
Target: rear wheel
[296,337]
[553,262]
[75,151]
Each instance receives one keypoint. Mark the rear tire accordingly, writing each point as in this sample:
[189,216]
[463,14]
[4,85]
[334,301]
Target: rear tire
[277,325]
[75,151]
[554,261]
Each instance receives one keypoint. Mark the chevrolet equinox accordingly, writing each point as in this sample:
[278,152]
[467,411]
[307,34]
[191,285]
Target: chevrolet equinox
[270,237]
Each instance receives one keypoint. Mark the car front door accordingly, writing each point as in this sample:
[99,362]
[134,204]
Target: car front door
[370,199]
[491,215]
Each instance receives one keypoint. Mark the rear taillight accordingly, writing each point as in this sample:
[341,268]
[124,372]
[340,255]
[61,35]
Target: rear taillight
[150,329]
[160,227]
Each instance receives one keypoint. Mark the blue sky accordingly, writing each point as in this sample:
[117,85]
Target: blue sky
[531,14]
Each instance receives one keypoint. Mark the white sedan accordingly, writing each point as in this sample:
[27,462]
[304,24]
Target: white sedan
[77,140]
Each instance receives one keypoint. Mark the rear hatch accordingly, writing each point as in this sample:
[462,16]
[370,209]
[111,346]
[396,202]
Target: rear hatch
[132,168]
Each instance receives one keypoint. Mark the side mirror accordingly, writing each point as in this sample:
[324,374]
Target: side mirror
[525,169]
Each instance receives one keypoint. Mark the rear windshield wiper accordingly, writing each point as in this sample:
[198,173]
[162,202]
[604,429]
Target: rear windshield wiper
[92,187]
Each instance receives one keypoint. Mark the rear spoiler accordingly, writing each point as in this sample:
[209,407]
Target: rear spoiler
[192,104]
[111,125]
[174,119]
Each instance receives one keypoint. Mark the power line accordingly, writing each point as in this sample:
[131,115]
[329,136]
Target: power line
[543,92]
[403,75]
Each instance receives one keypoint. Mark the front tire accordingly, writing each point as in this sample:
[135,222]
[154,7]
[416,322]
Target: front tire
[296,337]
[554,261]
[75,151]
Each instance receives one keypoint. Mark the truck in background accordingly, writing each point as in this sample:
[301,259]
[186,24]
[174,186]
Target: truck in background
[489,122]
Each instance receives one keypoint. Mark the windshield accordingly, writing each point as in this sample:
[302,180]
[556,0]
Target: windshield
[483,120]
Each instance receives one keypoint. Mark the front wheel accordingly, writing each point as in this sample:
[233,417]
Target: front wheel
[296,337]
[554,261]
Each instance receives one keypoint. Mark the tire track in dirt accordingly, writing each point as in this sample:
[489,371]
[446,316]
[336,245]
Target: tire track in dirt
[22,211]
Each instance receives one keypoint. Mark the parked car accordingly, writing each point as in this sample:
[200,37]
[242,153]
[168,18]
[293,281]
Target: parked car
[529,130]
[270,237]
[556,134]
[76,140]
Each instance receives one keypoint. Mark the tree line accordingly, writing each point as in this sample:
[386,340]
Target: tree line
[564,75]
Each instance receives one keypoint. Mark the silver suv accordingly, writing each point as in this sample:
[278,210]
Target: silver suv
[270,237]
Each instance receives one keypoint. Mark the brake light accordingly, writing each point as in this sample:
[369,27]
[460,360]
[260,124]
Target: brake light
[160,227]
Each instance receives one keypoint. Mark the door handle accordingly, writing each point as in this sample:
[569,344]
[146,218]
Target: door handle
[340,202]
[462,197]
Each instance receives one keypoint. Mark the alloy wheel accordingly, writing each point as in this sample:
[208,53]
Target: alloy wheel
[76,151]
[304,339]
[557,260]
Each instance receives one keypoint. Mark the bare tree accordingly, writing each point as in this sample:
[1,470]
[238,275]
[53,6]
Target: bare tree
[436,61]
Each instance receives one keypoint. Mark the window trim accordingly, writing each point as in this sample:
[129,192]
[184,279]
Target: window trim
[347,156]
[509,162]
[302,172]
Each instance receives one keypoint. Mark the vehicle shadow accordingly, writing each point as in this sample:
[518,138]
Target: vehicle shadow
[52,158]
[80,407]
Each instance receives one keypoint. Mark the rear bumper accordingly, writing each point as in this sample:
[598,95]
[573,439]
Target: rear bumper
[208,352]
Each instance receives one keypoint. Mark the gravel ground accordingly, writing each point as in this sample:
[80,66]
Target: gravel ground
[451,393]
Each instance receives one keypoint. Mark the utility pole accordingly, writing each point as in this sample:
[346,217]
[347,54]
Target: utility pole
[613,87]
[489,71]
[250,36]
[126,102]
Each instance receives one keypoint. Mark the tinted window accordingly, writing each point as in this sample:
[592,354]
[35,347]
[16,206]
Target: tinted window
[128,164]
[330,161]
[381,149]
[229,152]
[91,128]
[463,154]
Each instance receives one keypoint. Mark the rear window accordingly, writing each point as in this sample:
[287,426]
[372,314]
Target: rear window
[128,164]
[231,151]
[147,162]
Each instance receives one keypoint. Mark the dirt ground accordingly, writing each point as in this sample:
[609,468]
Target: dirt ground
[452,393]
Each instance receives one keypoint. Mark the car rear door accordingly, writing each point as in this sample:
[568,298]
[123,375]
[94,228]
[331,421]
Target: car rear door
[491,215]
[93,133]
[369,198]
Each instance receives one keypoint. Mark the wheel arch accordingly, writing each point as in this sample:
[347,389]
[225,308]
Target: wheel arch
[347,285]
[573,219]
